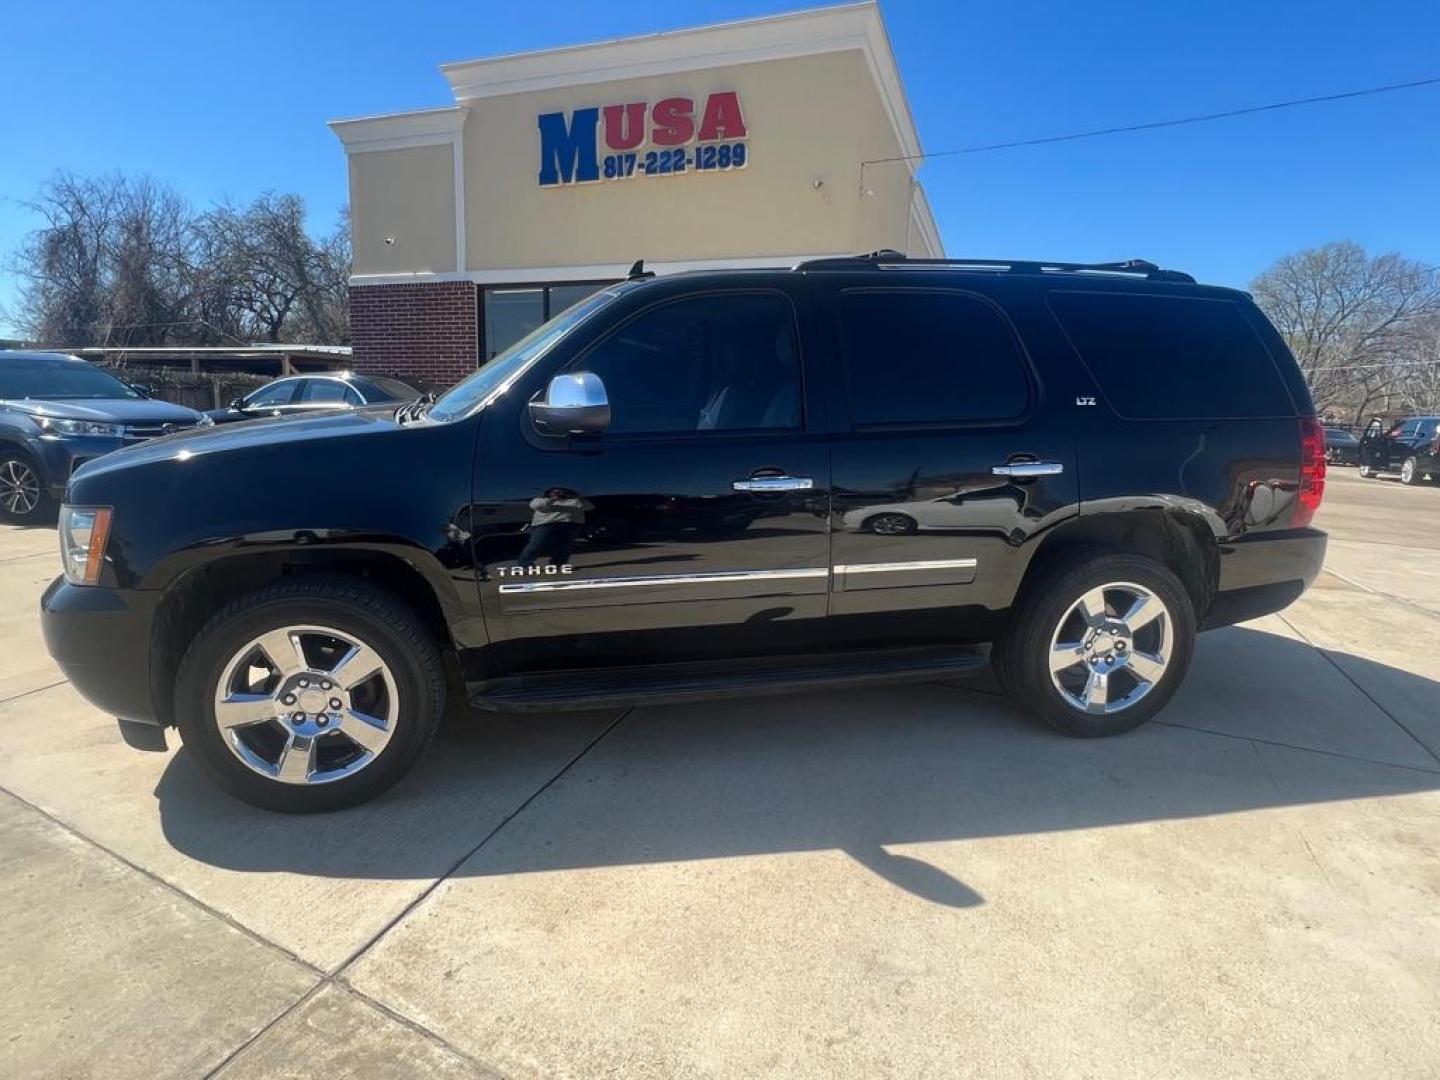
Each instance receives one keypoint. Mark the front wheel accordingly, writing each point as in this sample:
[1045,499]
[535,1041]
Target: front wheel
[1410,471]
[1099,646]
[1366,471]
[23,498]
[312,694]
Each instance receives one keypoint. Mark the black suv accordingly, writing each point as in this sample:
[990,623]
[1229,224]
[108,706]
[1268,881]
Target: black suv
[1411,448]
[673,491]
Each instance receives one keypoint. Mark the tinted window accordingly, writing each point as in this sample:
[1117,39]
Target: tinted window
[30,377]
[392,390]
[724,362]
[326,392]
[495,377]
[276,393]
[928,358]
[1164,357]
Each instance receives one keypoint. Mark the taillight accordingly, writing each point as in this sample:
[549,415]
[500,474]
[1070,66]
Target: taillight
[1312,472]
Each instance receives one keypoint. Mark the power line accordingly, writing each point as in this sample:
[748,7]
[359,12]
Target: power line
[1152,125]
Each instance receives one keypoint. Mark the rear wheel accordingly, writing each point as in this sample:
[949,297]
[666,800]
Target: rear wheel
[1410,471]
[311,694]
[23,498]
[1099,646]
[1366,471]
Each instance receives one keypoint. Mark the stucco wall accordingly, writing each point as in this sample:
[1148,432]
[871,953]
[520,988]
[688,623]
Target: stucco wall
[408,195]
[809,118]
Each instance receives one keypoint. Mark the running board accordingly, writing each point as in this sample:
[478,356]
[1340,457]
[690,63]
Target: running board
[665,684]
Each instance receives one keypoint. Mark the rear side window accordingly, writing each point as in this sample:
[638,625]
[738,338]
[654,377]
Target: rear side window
[1172,358]
[929,358]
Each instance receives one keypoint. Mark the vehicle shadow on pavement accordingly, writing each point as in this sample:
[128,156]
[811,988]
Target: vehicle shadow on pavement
[860,772]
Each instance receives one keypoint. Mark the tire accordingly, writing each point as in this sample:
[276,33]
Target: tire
[23,495]
[1410,471]
[893,524]
[1366,471]
[1046,614]
[334,619]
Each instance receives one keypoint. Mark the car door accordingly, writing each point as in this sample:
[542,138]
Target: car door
[273,399]
[695,525]
[942,468]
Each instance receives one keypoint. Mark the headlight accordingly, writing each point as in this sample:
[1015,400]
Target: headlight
[205,421]
[82,427]
[83,532]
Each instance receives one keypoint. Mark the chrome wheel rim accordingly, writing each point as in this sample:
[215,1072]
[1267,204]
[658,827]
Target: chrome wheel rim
[1407,472]
[890,525]
[306,705]
[19,487]
[1111,648]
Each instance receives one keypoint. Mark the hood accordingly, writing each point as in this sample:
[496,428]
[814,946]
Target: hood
[106,410]
[198,442]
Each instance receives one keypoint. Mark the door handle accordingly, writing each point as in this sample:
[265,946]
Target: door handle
[1022,469]
[774,483]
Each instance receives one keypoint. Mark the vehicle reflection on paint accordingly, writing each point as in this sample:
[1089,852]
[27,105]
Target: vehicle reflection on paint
[978,504]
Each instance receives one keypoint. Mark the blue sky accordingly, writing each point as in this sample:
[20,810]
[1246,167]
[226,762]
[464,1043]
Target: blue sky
[226,101]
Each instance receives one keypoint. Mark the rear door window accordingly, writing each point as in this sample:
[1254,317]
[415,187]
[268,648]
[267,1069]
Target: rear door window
[324,392]
[1172,357]
[930,358]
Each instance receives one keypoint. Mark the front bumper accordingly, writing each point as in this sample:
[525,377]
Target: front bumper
[100,638]
[1264,573]
[61,455]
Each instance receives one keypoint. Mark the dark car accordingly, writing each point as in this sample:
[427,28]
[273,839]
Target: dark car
[58,412]
[1341,446]
[646,500]
[1410,448]
[296,394]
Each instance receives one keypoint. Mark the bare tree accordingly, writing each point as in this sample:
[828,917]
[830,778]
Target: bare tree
[121,261]
[1352,320]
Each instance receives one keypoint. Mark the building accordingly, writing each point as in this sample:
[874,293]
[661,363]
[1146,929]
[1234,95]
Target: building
[761,142]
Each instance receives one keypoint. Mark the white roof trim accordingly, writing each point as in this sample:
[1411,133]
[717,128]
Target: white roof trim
[924,221]
[427,127]
[526,275]
[856,26]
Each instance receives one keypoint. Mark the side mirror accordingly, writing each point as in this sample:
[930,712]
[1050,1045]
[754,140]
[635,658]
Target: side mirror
[575,404]
[140,388]
[238,404]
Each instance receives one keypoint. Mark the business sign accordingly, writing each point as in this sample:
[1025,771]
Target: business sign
[618,142]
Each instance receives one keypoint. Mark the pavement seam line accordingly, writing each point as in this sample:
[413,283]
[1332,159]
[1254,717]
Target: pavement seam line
[253,1039]
[1382,593]
[420,1029]
[429,890]
[168,885]
[1302,749]
[36,690]
[1368,696]
[323,978]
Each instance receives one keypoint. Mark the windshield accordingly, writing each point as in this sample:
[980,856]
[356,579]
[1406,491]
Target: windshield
[58,380]
[494,378]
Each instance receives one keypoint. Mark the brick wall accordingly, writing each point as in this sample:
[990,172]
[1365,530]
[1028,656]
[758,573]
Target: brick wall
[427,334]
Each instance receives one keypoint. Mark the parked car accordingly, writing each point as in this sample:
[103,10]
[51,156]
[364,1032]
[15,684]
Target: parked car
[314,393]
[1144,448]
[1410,448]
[1341,446]
[58,412]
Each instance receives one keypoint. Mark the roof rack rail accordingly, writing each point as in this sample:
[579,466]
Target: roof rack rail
[887,258]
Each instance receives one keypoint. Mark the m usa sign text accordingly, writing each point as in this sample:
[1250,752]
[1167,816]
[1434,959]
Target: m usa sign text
[617,142]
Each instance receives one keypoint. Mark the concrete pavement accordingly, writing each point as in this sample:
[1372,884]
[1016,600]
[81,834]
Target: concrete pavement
[915,881]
